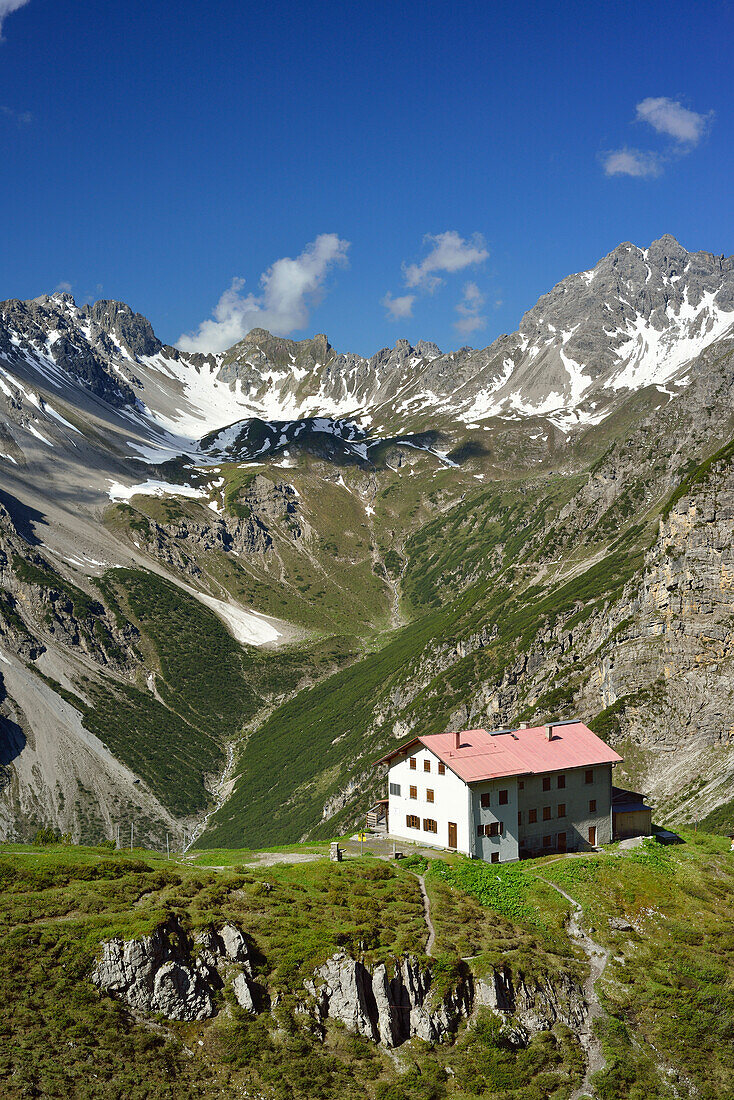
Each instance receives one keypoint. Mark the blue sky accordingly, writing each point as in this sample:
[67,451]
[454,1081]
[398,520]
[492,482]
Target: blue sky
[429,168]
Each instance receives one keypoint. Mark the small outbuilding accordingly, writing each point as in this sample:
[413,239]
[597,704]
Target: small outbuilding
[631,816]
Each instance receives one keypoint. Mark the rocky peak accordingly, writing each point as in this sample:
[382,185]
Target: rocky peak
[133,332]
[427,349]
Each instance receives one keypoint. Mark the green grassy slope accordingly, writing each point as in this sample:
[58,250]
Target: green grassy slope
[663,913]
[62,1038]
[667,991]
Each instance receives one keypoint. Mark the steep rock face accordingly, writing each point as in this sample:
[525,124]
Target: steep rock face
[178,976]
[390,1009]
[387,1009]
[530,1005]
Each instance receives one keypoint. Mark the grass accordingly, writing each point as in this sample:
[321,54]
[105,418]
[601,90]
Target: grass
[668,990]
[63,1038]
[528,906]
[667,993]
[201,664]
[319,554]
[670,1002]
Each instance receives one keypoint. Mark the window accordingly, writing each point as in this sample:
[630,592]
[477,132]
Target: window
[561,809]
[412,821]
[429,795]
[502,828]
[484,799]
[589,775]
[412,764]
[546,812]
[442,769]
[492,829]
[546,783]
[546,842]
[532,817]
[429,825]
[592,805]
[426,765]
[480,830]
[413,792]
[503,798]
[561,782]
[519,817]
[395,788]
[521,785]
[495,857]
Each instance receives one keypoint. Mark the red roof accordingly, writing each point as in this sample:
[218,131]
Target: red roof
[483,755]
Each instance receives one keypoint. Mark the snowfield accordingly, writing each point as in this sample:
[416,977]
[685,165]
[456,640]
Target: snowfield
[246,626]
[117,491]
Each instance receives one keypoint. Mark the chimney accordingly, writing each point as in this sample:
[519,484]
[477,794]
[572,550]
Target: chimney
[549,732]
[457,740]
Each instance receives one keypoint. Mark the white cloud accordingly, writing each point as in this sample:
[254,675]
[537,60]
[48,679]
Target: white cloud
[63,287]
[290,289]
[6,7]
[632,162]
[21,118]
[398,308]
[667,116]
[469,308]
[450,253]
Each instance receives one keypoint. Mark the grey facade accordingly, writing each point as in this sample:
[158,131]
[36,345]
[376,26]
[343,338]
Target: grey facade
[573,814]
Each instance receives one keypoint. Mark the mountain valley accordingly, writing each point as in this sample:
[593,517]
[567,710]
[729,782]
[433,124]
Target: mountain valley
[230,582]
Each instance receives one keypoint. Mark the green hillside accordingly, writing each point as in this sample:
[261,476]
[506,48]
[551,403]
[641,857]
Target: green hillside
[665,1032]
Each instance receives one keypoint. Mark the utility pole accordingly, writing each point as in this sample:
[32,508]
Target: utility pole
[117,842]
[131,836]
[168,850]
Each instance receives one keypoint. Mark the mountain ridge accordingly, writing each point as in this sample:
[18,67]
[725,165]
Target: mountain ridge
[633,320]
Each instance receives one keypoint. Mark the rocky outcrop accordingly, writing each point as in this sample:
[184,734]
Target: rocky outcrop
[265,510]
[177,975]
[388,1008]
[391,1006]
[530,1005]
[180,976]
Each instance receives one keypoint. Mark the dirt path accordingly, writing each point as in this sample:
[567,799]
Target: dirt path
[598,958]
[427,911]
[269,859]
